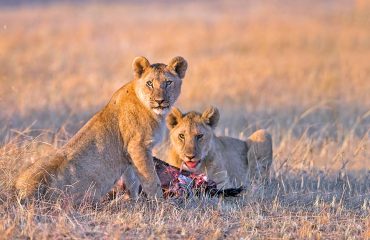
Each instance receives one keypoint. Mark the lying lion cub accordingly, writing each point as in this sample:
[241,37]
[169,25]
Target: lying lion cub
[117,140]
[229,162]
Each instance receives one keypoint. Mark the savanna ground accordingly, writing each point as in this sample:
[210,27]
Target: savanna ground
[300,70]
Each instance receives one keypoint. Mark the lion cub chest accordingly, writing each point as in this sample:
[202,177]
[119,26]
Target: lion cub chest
[157,133]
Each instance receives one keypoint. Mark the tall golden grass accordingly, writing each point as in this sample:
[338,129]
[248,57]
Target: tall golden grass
[301,70]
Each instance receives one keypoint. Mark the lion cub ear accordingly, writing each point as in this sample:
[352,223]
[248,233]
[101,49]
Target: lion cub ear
[179,65]
[173,118]
[139,65]
[211,116]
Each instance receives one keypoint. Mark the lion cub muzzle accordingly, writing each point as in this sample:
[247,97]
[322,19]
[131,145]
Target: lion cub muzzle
[160,105]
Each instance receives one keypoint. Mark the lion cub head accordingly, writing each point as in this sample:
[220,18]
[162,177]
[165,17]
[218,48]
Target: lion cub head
[191,135]
[158,85]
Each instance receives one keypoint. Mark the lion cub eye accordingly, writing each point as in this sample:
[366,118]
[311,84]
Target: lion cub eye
[168,83]
[181,136]
[199,136]
[149,84]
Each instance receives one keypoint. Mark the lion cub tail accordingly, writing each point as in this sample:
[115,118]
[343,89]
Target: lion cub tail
[39,172]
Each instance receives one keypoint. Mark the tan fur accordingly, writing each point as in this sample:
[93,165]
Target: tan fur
[117,140]
[228,161]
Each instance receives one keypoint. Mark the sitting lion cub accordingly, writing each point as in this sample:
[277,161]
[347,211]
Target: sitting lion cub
[117,140]
[229,162]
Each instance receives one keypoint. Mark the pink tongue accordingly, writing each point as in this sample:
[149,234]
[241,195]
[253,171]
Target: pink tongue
[191,164]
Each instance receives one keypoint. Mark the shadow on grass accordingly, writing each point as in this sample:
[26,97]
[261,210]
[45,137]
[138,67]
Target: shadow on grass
[48,123]
[303,189]
[315,122]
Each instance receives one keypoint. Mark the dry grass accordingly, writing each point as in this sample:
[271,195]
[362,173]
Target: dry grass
[299,70]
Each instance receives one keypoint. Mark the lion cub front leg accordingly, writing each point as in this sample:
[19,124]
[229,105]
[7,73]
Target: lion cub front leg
[132,182]
[142,160]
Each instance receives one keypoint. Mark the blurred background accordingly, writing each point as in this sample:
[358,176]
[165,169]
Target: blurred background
[301,69]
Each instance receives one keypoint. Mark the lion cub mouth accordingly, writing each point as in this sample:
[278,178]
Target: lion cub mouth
[161,107]
[161,110]
[192,164]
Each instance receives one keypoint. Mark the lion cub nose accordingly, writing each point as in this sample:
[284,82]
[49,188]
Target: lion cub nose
[159,101]
[190,157]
